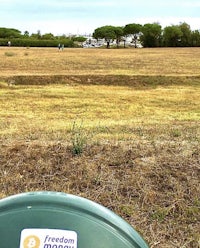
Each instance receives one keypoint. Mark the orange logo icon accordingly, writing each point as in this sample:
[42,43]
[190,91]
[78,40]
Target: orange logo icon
[31,241]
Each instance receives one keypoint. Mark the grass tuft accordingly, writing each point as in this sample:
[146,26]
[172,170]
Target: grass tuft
[78,138]
[9,54]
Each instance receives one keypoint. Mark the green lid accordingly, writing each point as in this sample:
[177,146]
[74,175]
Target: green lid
[58,220]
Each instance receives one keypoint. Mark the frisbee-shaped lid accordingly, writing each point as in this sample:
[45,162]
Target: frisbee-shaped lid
[58,220]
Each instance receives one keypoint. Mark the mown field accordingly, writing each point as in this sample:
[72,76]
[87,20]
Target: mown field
[120,127]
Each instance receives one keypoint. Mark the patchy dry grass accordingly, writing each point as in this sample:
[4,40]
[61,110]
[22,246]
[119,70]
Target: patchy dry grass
[140,154]
[42,111]
[49,61]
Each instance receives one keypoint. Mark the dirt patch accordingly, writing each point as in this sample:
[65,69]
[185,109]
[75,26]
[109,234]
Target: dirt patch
[119,80]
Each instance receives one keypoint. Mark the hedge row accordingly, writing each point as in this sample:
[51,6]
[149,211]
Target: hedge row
[37,43]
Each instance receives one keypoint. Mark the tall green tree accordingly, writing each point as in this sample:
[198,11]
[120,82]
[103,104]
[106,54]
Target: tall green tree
[151,35]
[119,32]
[195,38]
[108,33]
[26,34]
[48,36]
[133,29]
[186,34]
[36,36]
[9,33]
[172,36]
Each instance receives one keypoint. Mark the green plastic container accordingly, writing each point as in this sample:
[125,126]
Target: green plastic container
[58,220]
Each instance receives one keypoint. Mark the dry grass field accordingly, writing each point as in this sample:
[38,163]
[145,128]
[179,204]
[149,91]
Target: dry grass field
[163,61]
[120,127]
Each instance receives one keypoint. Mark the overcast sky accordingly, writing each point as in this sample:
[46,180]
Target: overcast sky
[83,16]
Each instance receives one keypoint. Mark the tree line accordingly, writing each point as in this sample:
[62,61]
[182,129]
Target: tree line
[149,35]
[16,38]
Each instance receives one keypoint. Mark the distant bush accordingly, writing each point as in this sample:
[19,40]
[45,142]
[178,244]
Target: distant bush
[9,54]
[79,39]
[20,42]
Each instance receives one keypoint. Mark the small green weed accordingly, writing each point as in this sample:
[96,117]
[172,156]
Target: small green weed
[176,133]
[159,214]
[78,138]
